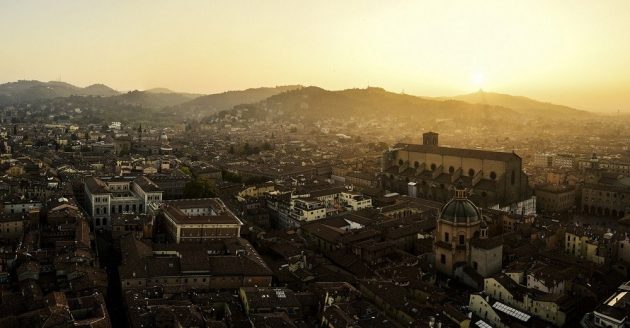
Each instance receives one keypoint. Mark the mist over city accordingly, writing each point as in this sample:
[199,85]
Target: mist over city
[232,164]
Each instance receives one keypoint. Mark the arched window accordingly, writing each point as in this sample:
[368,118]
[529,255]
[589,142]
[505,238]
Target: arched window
[471,172]
[433,166]
[400,162]
[416,164]
[98,210]
[493,175]
[451,169]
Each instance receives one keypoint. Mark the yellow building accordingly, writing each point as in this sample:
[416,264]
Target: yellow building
[593,246]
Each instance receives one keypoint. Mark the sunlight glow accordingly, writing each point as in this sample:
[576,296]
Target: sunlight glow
[478,79]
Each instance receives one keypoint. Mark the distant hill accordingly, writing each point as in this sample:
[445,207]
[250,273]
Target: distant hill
[23,91]
[154,100]
[316,103]
[159,90]
[210,104]
[520,104]
[99,90]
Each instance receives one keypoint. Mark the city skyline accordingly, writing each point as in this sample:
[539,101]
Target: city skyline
[543,50]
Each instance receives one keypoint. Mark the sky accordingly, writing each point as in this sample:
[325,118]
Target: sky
[575,53]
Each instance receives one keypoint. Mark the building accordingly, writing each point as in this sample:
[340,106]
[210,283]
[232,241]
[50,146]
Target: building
[597,246]
[609,196]
[553,160]
[614,312]
[220,264]
[594,163]
[172,184]
[199,220]
[504,302]
[117,195]
[12,226]
[461,238]
[258,300]
[555,198]
[355,201]
[494,177]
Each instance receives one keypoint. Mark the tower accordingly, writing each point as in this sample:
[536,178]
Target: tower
[430,139]
[458,222]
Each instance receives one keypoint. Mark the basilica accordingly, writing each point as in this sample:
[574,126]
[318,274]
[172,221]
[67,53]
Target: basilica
[430,171]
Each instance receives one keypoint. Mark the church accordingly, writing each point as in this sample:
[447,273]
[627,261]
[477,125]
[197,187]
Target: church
[462,241]
[430,171]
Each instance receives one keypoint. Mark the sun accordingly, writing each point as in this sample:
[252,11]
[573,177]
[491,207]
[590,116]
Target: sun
[477,79]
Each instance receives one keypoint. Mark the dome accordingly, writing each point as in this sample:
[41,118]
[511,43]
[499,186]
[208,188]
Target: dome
[460,209]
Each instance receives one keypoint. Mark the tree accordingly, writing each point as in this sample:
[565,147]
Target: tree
[231,177]
[186,170]
[199,188]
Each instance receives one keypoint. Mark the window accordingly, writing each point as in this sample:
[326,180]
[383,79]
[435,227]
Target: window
[493,175]
[416,164]
[446,237]
[471,172]
[442,259]
[451,169]
[433,166]
[513,179]
[400,162]
[461,239]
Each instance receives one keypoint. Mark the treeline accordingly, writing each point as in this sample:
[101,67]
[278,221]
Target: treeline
[247,149]
[236,178]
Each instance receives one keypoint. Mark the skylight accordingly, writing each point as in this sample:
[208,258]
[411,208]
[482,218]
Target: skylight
[511,311]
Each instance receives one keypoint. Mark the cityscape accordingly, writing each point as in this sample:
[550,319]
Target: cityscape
[322,188]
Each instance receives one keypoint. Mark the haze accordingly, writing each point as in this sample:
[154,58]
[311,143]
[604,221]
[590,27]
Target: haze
[573,53]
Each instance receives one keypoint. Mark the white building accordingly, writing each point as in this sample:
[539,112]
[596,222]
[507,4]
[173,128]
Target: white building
[355,201]
[615,310]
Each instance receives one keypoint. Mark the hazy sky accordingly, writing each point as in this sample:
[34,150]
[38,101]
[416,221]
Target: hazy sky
[570,52]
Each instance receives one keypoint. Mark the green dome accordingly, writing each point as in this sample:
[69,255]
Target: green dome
[460,210]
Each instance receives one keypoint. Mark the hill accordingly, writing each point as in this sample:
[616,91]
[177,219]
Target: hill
[154,100]
[24,91]
[210,104]
[317,103]
[520,104]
